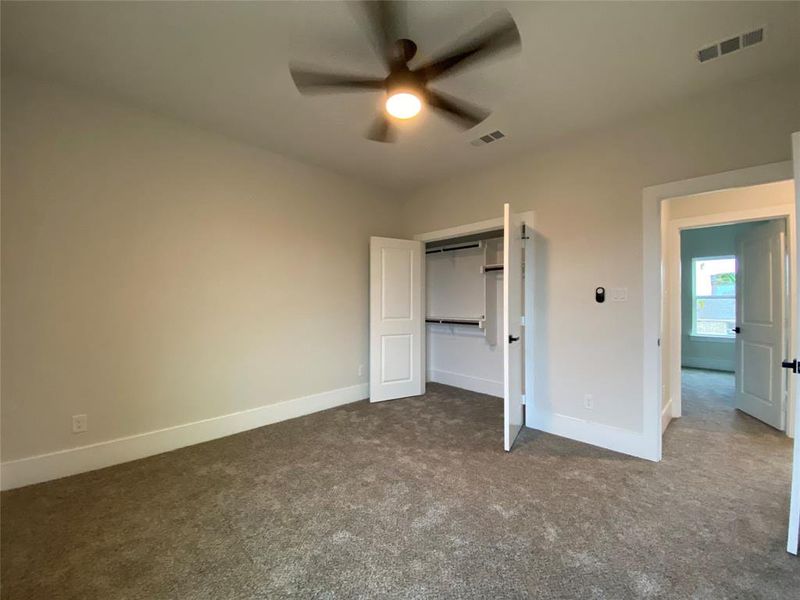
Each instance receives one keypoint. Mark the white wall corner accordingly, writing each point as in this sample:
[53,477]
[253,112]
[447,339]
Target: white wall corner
[54,465]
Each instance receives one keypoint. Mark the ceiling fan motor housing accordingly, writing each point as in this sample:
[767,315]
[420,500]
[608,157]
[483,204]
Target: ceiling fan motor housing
[404,80]
[405,50]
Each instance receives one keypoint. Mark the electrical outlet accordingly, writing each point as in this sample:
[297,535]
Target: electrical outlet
[80,423]
[588,402]
[360,370]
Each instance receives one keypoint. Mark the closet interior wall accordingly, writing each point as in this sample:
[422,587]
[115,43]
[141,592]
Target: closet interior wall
[464,295]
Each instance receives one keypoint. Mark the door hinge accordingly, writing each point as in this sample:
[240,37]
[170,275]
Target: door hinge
[524,400]
[522,320]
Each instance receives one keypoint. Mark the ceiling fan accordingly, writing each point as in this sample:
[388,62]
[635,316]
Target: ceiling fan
[406,88]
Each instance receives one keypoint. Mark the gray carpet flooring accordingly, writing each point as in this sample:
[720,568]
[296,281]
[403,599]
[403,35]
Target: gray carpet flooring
[416,499]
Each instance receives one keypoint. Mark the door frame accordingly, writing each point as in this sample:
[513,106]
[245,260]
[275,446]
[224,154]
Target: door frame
[652,276]
[674,297]
[527,284]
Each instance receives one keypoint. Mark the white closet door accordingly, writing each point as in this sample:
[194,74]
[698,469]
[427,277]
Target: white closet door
[512,325]
[397,322]
[793,545]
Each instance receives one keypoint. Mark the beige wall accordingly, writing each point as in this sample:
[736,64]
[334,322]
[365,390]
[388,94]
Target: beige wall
[154,274]
[587,195]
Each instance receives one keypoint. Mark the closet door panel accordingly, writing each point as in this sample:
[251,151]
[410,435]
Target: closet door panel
[513,414]
[397,319]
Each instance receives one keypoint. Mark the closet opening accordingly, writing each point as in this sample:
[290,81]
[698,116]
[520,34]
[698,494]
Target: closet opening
[450,307]
[463,310]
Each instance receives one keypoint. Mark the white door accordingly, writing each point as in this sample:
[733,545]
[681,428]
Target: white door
[792,544]
[396,319]
[760,285]
[512,325]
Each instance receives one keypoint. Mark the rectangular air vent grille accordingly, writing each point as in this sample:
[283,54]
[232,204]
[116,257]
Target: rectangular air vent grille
[488,138]
[708,53]
[729,46]
[754,37]
[745,40]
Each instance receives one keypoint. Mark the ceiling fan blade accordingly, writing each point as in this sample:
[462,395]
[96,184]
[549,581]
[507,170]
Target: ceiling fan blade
[498,33]
[462,112]
[386,21]
[320,82]
[382,130]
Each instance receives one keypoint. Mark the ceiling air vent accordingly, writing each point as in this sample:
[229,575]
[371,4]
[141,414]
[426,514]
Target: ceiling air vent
[753,37]
[731,45]
[488,138]
[744,40]
[708,53]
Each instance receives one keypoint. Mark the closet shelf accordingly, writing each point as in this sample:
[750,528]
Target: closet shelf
[478,244]
[455,321]
[490,268]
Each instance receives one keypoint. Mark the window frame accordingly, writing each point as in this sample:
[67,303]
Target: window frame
[729,338]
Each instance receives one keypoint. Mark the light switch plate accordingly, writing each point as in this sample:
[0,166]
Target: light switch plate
[619,294]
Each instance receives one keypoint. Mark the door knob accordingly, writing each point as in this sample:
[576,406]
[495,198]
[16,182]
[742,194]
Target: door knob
[512,339]
[737,330]
[790,364]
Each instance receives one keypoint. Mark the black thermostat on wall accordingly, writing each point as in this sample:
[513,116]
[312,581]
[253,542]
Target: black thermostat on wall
[600,294]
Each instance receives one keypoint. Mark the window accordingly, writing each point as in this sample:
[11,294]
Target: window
[714,296]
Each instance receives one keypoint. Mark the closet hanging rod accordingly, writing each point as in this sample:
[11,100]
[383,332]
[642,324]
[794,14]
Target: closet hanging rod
[475,322]
[451,248]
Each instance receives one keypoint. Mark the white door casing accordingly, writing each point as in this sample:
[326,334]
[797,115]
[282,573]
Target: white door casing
[793,543]
[513,412]
[397,319]
[760,343]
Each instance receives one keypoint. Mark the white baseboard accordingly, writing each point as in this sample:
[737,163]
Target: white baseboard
[467,382]
[666,415]
[617,439]
[44,467]
[702,362]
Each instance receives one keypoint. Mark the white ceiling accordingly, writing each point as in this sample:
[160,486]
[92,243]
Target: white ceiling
[223,65]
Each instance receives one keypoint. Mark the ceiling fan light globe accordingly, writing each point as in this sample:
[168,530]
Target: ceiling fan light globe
[403,105]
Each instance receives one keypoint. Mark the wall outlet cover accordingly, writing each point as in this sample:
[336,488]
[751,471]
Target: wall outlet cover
[80,423]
